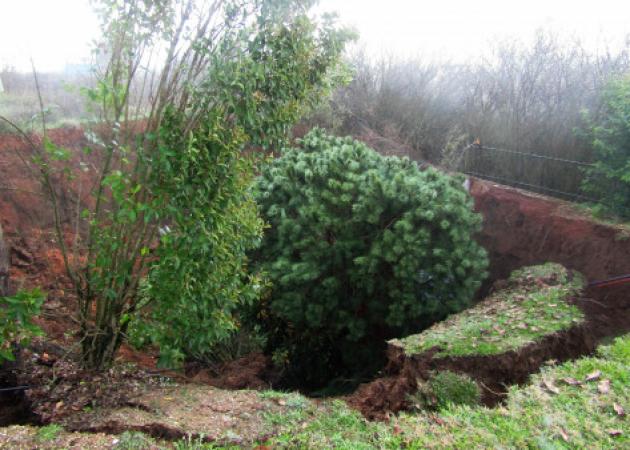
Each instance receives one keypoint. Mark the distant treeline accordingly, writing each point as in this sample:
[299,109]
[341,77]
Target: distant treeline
[528,98]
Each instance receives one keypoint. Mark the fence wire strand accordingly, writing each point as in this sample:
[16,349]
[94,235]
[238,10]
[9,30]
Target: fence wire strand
[532,187]
[511,181]
[530,155]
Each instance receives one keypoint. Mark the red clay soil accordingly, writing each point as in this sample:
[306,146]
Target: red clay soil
[253,371]
[27,220]
[522,229]
[22,205]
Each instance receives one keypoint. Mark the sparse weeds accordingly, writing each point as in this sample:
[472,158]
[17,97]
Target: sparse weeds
[297,408]
[133,440]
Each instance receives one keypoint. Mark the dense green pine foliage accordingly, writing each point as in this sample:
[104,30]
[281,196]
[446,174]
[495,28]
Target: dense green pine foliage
[609,178]
[360,247]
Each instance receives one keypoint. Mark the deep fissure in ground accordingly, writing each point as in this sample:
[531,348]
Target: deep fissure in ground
[14,406]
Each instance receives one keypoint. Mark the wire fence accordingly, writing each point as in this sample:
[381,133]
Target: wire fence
[543,174]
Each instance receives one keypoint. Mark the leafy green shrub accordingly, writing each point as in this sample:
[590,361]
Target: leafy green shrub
[16,324]
[446,388]
[608,180]
[360,247]
[171,191]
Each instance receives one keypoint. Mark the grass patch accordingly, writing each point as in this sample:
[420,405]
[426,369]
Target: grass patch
[49,432]
[532,305]
[333,425]
[445,389]
[580,404]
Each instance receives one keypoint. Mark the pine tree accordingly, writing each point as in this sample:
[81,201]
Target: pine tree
[361,246]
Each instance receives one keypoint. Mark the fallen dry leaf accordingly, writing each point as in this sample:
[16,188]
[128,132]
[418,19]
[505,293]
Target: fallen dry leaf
[615,432]
[604,387]
[593,375]
[550,387]
[564,435]
[437,420]
[571,381]
[619,409]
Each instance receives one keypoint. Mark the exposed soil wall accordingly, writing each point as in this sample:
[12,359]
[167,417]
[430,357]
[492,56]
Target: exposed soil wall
[524,229]
[22,205]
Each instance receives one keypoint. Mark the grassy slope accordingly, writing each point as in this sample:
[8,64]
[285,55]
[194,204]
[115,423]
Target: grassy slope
[558,409]
[531,306]
[548,413]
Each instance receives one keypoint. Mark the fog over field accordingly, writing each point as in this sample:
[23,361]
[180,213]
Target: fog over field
[58,33]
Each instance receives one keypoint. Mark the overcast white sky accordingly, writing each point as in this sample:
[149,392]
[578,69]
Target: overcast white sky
[56,32]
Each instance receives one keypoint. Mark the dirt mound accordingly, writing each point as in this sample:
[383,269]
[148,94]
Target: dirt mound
[201,413]
[58,388]
[493,372]
[253,371]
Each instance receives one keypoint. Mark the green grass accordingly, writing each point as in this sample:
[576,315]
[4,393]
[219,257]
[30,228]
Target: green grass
[444,389]
[604,216]
[49,432]
[331,424]
[552,412]
[532,306]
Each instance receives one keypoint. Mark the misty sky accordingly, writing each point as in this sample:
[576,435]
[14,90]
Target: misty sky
[56,32]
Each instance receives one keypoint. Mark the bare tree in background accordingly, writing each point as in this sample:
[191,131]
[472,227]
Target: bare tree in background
[527,97]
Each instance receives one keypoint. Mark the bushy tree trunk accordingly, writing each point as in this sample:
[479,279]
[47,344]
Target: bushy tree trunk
[4,266]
